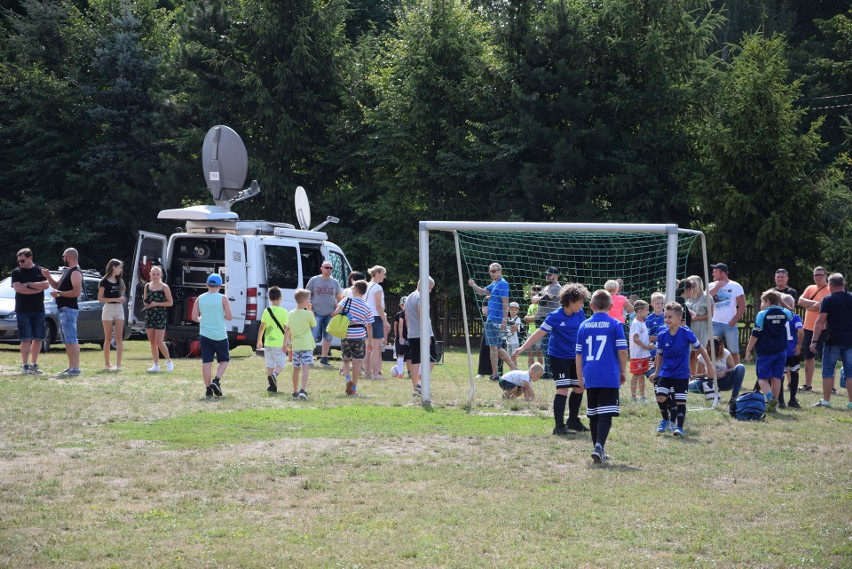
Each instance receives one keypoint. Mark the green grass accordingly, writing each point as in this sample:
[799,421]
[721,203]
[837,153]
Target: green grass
[134,470]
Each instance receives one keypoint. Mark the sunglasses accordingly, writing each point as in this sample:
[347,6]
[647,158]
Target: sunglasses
[326,268]
[22,261]
[494,270]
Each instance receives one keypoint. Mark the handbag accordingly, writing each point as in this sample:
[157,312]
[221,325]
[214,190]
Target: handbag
[338,326]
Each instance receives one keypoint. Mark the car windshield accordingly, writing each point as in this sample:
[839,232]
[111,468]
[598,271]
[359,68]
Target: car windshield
[6,290]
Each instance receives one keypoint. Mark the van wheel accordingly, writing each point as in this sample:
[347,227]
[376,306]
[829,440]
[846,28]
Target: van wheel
[49,336]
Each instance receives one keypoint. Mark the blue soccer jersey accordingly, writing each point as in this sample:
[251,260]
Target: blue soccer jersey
[563,333]
[599,340]
[675,350]
[793,327]
[654,322]
[770,329]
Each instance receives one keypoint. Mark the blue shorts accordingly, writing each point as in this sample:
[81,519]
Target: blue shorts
[492,333]
[68,323]
[30,326]
[771,365]
[322,324]
[378,328]
[830,355]
[731,335]
[219,348]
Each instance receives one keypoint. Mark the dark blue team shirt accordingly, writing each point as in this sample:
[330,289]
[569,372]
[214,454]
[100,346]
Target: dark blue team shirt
[770,329]
[653,322]
[793,327]
[675,351]
[599,340]
[563,333]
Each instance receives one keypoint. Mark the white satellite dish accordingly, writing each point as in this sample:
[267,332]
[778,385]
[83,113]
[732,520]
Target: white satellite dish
[303,209]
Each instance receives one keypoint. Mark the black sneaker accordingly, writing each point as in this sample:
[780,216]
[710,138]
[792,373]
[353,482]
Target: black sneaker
[494,377]
[560,431]
[295,395]
[209,392]
[324,362]
[576,426]
[781,404]
[273,385]
[794,404]
[217,389]
[302,394]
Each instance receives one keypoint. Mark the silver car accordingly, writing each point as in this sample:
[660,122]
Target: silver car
[89,326]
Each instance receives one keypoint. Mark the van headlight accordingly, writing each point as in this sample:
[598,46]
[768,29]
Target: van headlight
[11,316]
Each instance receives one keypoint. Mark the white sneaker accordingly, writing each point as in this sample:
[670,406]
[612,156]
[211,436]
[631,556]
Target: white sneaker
[154,369]
[170,366]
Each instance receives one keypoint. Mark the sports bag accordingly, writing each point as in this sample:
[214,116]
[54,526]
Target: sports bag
[749,407]
[338,326]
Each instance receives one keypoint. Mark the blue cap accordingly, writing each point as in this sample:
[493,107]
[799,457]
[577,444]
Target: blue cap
[214,280]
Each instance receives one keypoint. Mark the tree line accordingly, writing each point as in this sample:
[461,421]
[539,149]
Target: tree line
[727,117]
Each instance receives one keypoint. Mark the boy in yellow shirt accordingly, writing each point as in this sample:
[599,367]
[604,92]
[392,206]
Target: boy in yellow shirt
[270,337]
[300,336]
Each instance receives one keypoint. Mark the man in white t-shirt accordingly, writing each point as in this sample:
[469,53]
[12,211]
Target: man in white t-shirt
[729,308]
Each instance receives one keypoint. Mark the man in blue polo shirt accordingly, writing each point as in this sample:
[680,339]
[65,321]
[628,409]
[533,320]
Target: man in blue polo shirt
[498,314]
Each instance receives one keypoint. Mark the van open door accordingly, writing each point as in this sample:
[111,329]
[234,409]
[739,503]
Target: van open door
[150,251]
[235,281]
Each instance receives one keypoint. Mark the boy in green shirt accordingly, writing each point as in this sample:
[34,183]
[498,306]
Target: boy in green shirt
[300,336]
[270,337]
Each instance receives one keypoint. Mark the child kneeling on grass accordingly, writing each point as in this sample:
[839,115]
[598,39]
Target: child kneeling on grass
[601,369]
[517,382]
[301,338]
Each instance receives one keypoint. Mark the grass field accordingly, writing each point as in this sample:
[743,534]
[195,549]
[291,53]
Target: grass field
[138,470]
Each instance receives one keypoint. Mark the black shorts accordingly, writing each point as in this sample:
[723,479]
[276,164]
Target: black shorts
[564,372]
[414,350]
[602,401]
[806,344]
[401,350]
[793,362]
[677,388]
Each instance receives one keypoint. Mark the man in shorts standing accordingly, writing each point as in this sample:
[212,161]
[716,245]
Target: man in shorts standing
[29,286]
[835,313]
[326,292]
[729,308]
[810,301]
[498,315]
[68,290]
[413,316]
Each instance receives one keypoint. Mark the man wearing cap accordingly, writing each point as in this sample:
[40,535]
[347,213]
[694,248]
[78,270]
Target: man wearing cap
[326,292]
[729,308]
[211,310]
[782,279]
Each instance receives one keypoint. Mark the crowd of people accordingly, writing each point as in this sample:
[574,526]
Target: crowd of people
[669,345]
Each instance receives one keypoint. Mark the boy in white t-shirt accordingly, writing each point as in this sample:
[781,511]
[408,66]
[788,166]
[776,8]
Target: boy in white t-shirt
[518,382]
[513,325]
[640,350]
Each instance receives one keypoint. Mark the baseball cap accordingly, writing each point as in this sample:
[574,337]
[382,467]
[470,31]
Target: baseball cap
[214,280]
[551,271]
[515,304]
[720,266]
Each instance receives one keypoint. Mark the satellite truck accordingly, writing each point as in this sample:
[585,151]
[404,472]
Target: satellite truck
[249,255]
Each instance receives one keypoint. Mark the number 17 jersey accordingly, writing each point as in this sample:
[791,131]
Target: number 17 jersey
[599,340]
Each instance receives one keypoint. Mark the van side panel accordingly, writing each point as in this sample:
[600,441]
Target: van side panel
[235,280]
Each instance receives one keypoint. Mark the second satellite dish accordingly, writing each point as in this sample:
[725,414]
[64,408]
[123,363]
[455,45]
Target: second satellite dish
[303,209]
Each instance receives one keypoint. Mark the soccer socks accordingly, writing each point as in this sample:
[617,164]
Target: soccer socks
[673,410]
[574,402]
[559,409]
[593,425]
[794,384]
[680,415]
[664,409]
[604,424]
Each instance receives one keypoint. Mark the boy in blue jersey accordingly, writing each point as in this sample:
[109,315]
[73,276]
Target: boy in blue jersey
[601,361]
[769,341]
[562,325]
[795,335]
[675,343]
[653,322]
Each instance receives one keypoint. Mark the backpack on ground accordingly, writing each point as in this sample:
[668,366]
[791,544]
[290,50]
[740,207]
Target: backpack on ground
[749,407]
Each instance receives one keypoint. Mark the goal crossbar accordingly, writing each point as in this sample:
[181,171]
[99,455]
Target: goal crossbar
[672,231]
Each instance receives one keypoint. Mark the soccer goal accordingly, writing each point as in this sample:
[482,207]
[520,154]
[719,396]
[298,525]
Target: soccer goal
[647,257]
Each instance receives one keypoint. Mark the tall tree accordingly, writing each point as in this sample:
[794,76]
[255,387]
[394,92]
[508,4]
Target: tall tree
[758,186]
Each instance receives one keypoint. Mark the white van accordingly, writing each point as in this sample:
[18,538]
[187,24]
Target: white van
[250,256]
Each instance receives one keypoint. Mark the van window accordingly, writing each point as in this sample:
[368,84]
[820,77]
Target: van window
[311,260]
[338,270]
[282,266]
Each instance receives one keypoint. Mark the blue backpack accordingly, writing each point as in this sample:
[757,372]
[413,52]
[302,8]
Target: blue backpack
[749,407]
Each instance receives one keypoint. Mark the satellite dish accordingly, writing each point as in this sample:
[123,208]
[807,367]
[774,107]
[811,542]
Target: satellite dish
[225,162]
[303,209]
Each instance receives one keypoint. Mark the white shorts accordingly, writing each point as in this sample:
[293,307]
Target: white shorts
[112,311]
[275,357]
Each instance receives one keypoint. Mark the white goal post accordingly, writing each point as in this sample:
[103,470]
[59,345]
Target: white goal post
[672,232]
